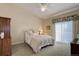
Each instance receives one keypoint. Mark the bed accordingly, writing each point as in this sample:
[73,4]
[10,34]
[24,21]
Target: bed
[36,41]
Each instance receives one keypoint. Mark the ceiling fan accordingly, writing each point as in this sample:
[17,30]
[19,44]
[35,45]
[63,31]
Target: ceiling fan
[43,6]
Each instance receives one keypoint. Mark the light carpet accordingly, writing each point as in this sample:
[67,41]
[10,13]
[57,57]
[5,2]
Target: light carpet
[59,49]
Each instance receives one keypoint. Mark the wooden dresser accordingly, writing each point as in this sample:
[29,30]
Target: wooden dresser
[5,38]
[74,49]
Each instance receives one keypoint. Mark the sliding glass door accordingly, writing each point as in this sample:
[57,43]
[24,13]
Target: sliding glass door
[64,31]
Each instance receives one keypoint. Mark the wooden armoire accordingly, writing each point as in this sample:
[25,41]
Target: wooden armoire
[5,38]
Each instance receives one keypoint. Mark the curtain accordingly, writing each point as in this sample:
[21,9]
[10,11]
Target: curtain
[75,28]
[64,31]
[68,18]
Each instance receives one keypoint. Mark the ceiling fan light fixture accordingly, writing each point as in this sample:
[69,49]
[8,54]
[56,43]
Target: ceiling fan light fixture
[43,6]
[43,9]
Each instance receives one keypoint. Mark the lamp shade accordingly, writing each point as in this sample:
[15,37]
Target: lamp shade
[78,35]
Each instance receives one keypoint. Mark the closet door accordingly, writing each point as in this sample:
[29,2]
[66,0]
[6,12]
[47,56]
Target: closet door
[5,40]
[0,38]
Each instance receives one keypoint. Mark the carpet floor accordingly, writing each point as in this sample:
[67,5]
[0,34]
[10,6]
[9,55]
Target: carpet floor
[59,49]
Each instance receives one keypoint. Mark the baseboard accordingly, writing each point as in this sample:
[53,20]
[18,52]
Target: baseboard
[14,43]
[62,42]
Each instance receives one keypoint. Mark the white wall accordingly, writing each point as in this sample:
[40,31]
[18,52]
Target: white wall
[47,22]
[21,20]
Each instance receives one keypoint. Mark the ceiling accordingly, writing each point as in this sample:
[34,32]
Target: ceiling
[52,10]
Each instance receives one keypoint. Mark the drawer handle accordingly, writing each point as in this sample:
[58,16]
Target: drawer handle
[2,35]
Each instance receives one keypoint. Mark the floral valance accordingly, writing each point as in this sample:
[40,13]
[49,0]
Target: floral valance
[68,18]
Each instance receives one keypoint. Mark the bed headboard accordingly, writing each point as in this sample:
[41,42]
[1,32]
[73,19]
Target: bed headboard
[27,35]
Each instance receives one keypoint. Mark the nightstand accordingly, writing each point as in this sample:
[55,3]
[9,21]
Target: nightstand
[74,49]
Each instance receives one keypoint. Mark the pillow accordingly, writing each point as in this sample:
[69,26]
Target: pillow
[36,34]
[31,31]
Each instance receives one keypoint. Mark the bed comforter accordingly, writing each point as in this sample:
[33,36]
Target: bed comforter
[39,41]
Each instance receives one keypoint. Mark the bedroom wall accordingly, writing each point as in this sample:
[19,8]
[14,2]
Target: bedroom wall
[49,22]
[21,20]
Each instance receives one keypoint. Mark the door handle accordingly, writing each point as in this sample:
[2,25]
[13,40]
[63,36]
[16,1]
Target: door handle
[2,35]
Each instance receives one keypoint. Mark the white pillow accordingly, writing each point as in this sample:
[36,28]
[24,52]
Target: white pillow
[30,32]
[36,34]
